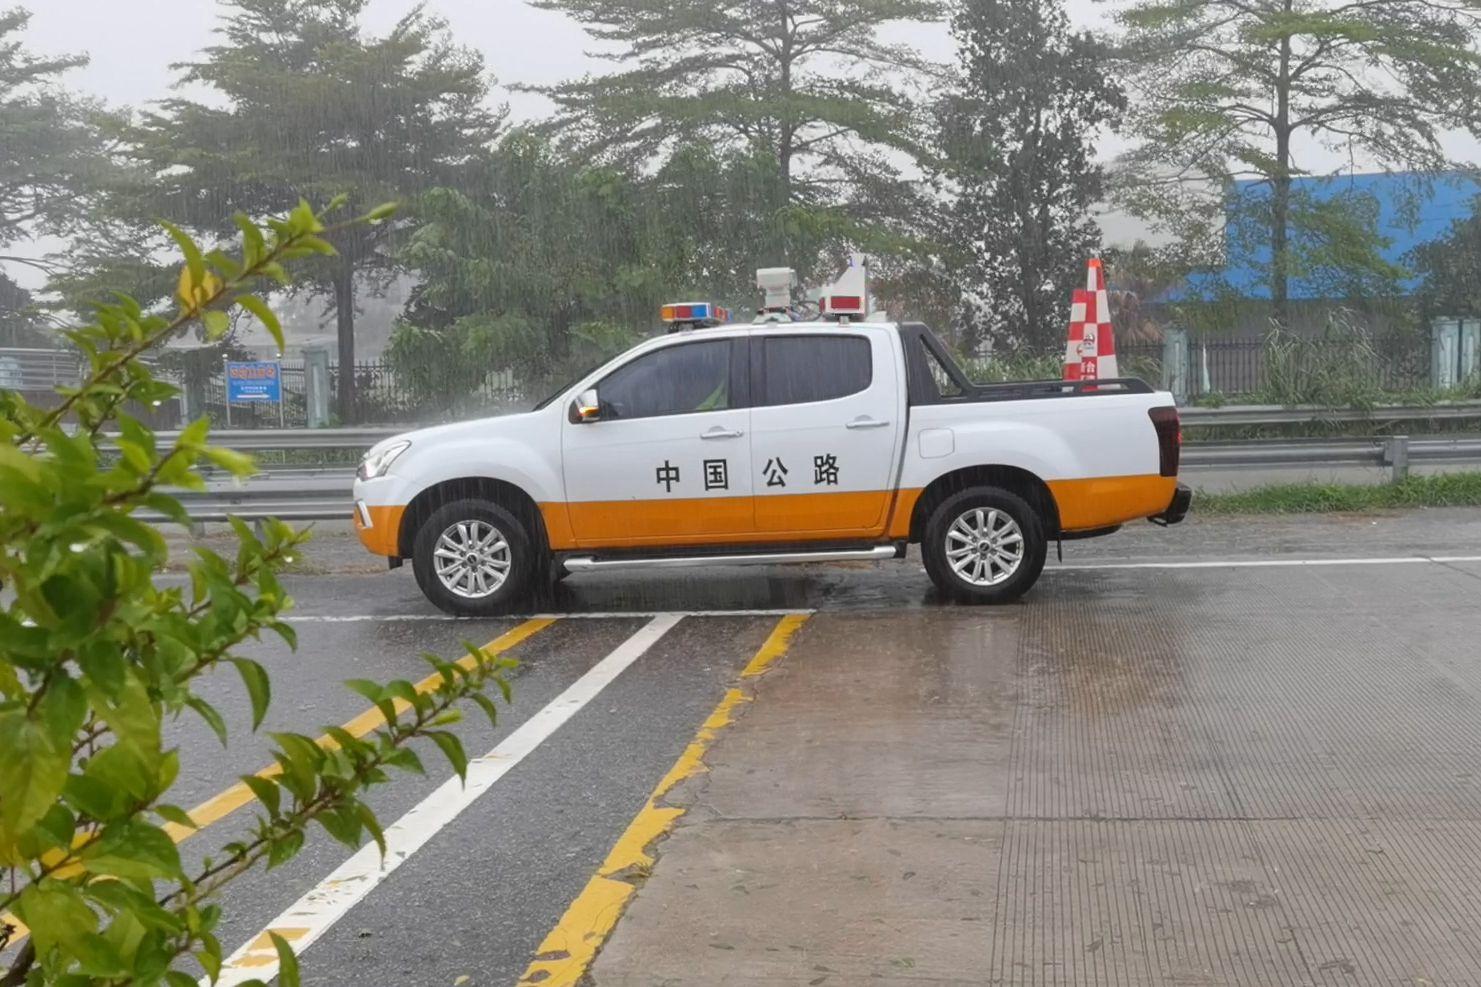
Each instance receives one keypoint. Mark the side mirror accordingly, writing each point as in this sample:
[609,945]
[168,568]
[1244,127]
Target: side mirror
[586,407]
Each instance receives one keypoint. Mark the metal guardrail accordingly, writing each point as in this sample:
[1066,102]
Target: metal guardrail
[1394,452]
[317,494]
[265,439]
[1238,415]
[289,439]
[23,369]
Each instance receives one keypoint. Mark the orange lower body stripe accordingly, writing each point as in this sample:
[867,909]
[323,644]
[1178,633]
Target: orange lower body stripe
[717,520]
[900,517]
[1103,501]
[681,521]
[383,535]
[1084,504]
[825,514]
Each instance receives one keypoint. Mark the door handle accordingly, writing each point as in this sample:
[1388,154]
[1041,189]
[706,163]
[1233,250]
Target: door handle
[722,433]
[866,423]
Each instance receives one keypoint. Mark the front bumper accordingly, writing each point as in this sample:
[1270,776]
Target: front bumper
[1182,500]
[378,509]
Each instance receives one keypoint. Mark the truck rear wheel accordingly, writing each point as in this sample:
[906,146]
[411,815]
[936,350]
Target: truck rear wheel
[984,545]
[473,558]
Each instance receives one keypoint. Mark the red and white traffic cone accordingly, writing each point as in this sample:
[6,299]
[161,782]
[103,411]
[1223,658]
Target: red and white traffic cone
[1091,351]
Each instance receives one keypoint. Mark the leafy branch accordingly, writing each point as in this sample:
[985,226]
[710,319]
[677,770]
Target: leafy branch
[94,655]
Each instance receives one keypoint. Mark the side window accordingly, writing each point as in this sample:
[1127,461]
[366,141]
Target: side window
[799,369]
[676,380]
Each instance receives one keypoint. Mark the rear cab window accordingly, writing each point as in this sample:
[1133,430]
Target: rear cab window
[803,369]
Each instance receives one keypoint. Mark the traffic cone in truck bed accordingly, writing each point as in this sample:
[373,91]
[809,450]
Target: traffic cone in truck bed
[1091,351]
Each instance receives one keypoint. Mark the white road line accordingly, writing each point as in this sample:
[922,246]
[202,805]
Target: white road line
[600,615]
[1269,563]
[312,915]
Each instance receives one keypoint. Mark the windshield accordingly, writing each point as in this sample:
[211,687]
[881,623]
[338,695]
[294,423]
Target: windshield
[545,401]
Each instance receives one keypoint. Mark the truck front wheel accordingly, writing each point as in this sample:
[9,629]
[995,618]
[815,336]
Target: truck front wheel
[473,558]
[984,545]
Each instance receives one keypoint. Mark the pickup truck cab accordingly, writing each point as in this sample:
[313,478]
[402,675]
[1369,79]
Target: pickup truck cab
[781,442]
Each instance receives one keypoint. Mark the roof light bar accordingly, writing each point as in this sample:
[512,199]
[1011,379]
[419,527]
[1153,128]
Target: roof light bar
[690,315]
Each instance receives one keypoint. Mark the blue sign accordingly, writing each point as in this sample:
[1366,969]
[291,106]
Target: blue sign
[259,381]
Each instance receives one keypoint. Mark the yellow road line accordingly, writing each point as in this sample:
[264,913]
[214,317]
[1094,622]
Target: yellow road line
[568,950]
[220,806]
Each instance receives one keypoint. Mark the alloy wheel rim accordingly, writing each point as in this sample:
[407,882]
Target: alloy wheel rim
[472,559]
[984,546]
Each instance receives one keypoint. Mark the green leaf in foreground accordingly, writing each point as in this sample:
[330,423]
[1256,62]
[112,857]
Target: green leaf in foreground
[287,962]
[33,770]
[254,677]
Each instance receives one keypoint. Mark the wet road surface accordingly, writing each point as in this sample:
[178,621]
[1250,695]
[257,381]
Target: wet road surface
[1158,776]
[1275,762]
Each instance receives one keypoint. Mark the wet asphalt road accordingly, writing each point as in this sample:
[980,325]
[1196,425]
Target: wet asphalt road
[479,897]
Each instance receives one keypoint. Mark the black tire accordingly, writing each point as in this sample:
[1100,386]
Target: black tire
[934,546]
[473,601]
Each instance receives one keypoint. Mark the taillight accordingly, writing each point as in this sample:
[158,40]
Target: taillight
[1169,438]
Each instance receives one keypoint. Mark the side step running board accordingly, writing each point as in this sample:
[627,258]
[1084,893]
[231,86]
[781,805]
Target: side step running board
[585,563]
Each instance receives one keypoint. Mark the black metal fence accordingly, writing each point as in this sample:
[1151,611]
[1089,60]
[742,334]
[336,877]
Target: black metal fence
[382,396]
[1237,368]
[1255,368]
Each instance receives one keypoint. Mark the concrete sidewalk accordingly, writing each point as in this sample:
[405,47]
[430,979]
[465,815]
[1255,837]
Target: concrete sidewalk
[849,826]
[1224,776]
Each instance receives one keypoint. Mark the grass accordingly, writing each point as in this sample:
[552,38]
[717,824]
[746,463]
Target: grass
[1443,490]
[1409,397]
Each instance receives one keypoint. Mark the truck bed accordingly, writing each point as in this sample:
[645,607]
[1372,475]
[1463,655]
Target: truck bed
[922,348]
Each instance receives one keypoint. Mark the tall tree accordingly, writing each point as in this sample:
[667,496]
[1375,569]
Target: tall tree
[810,84]
[1232,89]
[542,262]
[516,262]
[718,215]
[1017,132]
[305,104]
[54,146]
[1449,268]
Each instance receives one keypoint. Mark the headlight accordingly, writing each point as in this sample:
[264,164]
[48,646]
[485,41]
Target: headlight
[377,461]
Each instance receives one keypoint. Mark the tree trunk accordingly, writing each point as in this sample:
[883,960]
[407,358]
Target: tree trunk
[344,318]
[1280,276]
[786,131]
[1280,192]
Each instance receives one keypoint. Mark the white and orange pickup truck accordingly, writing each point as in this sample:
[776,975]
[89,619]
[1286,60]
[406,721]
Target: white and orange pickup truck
[772,443]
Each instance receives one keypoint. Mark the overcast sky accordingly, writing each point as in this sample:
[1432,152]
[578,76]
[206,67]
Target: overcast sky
[132,42]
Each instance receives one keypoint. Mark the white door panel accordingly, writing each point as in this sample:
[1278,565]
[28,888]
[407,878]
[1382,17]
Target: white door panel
[824,465]
[661,476]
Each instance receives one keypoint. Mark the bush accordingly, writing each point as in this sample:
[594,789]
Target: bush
[95,656]
[482,364]
[1017,365]
[1338,369]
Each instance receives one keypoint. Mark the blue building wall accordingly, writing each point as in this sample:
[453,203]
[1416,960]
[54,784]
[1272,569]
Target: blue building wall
[1409,210]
